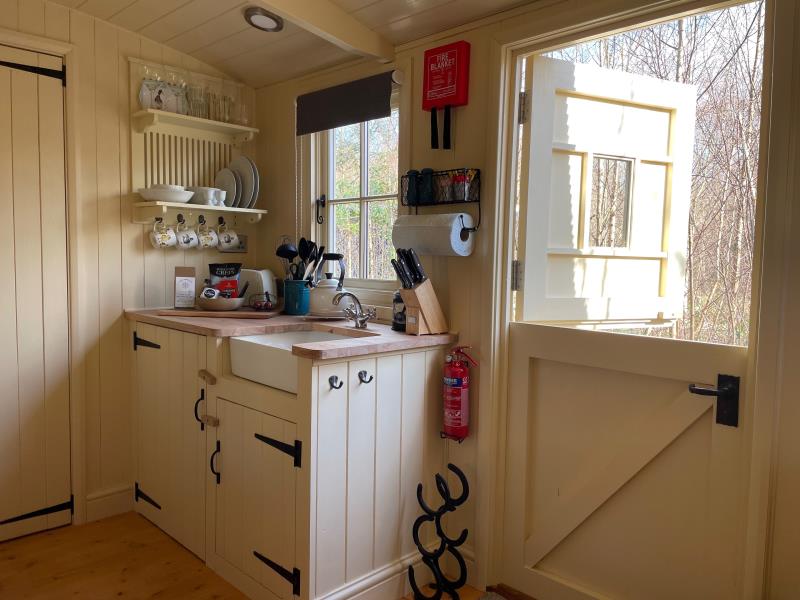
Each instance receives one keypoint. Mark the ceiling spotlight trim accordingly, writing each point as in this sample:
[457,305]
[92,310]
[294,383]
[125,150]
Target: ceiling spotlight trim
[257,11]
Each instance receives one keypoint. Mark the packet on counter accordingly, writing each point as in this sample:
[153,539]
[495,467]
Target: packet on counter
[225,278]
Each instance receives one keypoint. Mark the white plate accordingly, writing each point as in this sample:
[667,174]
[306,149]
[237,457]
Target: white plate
[257,185]
[228,181]
[243,166]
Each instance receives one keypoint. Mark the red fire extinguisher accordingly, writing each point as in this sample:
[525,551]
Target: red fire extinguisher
[456,394]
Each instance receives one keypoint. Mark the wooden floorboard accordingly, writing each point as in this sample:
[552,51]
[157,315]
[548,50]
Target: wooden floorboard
[121,557]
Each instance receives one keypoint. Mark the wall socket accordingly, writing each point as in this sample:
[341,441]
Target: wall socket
[242,247]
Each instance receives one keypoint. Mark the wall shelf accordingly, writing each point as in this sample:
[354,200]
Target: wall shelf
[146,120]
[146,212]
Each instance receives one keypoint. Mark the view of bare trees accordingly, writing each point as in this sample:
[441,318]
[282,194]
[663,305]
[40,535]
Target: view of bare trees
[721,53]
[608,214]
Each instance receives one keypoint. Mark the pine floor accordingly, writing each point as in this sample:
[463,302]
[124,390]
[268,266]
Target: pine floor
[121,557]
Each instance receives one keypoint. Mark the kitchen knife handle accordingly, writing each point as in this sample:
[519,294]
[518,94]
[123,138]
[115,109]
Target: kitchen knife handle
[417,264]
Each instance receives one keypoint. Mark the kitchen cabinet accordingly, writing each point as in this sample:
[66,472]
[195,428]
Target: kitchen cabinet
[308,495]
[255,471]
[170,438]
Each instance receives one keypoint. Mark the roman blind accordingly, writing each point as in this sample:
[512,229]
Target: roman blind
[345,104]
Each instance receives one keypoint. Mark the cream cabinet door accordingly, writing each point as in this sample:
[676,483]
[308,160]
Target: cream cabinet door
[34,337]
[171,455]
[255,465]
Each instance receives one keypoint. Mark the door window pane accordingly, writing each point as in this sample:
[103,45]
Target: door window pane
[610,202]
[382,135]
[347,162]
[380,251]
[347,235]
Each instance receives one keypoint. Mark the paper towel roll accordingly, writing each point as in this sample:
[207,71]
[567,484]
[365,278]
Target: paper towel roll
[438,235]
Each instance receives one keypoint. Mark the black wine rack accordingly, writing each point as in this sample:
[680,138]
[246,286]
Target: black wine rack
[430,558]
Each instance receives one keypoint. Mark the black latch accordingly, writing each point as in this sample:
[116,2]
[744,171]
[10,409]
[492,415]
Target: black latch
[137,341]
[138,493]
[727,393]
[294,450]
[292,576]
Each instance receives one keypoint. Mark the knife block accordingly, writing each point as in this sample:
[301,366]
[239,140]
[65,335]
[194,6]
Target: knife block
[423,313]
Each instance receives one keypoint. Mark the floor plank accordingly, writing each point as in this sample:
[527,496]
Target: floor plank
[121,557]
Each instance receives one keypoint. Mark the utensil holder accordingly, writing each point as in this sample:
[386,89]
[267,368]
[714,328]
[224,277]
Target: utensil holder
[423,312]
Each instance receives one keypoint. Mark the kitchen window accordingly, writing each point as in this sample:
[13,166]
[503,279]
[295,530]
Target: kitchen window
[360,173]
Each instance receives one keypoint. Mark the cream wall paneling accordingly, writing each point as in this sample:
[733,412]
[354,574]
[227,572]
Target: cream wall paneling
[35,487]
[111,265]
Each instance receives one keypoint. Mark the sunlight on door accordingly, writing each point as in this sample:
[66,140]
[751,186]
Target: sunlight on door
[638,179]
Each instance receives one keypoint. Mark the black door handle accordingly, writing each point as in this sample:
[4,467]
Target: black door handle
[196,406]
[211,462]
[727,394]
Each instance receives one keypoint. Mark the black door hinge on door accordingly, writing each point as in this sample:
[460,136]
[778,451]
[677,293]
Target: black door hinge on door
[294,450]
[54,73]
[69,504]
[292,576]
[138,493]
[137,341]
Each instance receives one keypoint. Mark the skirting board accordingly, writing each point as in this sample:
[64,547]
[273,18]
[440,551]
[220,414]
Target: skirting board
[110,502]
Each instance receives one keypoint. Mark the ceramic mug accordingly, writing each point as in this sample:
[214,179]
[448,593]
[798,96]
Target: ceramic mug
[187,237]
[207,237]
[162,236]
[228,238]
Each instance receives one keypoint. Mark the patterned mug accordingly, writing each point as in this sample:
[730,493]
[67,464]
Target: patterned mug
[162,236]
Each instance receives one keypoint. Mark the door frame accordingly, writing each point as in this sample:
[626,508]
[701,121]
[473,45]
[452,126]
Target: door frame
[78,346]
[568,22]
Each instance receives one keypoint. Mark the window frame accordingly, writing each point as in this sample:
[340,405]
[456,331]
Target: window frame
[375,291]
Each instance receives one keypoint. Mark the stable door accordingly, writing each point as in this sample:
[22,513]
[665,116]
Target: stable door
[35,489]
[627,462]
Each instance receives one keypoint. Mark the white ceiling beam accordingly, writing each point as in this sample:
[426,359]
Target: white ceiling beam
[328,21]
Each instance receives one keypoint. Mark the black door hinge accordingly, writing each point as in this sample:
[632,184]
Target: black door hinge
[69,504]
[727,393]
[137,341]
[292,576]
[55,73]
[138,493]
[294,450]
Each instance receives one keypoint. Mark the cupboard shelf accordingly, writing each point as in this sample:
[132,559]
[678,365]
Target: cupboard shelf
[147,212]
[145,120]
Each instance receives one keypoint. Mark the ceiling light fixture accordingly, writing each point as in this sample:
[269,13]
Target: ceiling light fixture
[262,19]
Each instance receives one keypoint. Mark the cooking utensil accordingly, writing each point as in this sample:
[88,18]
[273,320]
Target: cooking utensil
[408,265]
[407,278]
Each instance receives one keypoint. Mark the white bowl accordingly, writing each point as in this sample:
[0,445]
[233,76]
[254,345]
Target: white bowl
[220,303]
[165,195]
[205,195]
[167,186]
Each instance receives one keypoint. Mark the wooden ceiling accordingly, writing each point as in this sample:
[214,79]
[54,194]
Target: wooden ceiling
[215,31]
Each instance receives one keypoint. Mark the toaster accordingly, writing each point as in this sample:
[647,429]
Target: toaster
[260,280]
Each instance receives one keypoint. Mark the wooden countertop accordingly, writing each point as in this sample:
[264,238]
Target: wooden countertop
[375,339]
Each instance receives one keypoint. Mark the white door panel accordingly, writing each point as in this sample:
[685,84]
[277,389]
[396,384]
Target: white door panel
[605,206]
[34,370]
[621,483]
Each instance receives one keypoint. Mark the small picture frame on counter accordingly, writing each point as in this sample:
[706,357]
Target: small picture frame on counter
[184,287]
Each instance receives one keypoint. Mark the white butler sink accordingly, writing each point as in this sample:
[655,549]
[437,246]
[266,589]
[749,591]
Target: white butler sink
[268,358]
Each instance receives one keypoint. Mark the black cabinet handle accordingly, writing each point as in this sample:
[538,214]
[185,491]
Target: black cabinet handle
[196,406]
[362,377]
[334,380]
[211,462]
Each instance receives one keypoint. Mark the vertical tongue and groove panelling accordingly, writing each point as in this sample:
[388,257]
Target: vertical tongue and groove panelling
[175,159]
